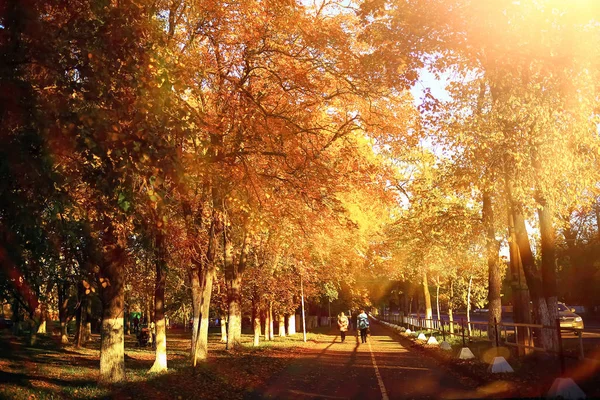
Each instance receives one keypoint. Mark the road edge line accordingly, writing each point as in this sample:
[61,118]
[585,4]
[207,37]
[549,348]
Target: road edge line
[384,395]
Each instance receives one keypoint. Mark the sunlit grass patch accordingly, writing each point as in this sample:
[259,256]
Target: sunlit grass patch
[86,391]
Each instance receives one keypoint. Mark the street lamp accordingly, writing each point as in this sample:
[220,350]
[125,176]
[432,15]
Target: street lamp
[303,315]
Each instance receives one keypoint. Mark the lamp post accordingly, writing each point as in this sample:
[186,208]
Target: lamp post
[303,315]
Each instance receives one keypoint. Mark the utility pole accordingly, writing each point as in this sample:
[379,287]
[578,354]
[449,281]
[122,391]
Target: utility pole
[303,315]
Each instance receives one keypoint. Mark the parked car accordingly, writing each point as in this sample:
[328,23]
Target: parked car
[568,318]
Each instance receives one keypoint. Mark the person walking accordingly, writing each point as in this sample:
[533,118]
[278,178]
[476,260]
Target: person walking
[362,323]
[343,325]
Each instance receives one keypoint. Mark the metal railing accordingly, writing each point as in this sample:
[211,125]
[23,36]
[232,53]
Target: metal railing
[525,337]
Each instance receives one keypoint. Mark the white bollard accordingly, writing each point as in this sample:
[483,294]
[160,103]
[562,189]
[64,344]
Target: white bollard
[445,346]
[565,388]
[432,341]
[466,354]
[500,365]
[422,337]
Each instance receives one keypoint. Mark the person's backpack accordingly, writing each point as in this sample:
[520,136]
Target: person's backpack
[363,323]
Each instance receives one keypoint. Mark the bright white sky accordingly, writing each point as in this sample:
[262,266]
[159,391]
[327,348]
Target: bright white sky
[427,80]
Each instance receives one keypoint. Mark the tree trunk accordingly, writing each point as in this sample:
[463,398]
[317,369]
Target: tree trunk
[542,316]
[223,318]
[548,245]
[16,318]
[256,321]
[150,310]
[206,276]
[127,319]
[233,275]
[521,306]
[494,274]
[291,330]
[234,325]
[112,346]
[271,324]
[201,352]
[33,328]
[469,305]
[576,277]
[160,362]
[450,307]
[281,320]
[148,313]
[43,326]
[534,282]
[437,300]
[79,327]
[42,330]
[265,321]
[79,317]
[87,315]
[548,256]
[88,330]
[195,278]
[63,302]
[427,298]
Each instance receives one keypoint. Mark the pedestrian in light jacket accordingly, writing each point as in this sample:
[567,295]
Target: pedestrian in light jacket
[342,325]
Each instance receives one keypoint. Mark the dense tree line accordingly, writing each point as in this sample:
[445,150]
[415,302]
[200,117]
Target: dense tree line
[207,155]
[175,140]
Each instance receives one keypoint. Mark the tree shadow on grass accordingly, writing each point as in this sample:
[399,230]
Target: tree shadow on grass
[49,370]
[235,376]
[25,379]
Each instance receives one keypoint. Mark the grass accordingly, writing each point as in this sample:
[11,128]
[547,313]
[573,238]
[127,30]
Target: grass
[49,370]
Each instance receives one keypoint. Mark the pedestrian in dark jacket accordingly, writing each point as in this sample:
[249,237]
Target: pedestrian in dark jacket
[362,323]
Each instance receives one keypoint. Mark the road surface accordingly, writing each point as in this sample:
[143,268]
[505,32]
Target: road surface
[381,369]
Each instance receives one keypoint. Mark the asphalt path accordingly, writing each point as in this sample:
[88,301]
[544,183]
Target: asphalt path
[380,369]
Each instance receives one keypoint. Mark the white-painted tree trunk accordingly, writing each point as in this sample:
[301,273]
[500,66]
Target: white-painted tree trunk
[437,300]
[281,325]
[257,330]
[223,329]
[292,324]
[450,308]
[469,305]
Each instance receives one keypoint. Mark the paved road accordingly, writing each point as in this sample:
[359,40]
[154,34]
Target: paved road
[381,369]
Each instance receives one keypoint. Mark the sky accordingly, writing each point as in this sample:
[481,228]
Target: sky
[427,80]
